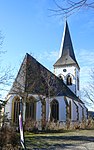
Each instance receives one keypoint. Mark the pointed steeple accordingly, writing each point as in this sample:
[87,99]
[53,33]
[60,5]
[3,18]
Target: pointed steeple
[67,43]
[67,56]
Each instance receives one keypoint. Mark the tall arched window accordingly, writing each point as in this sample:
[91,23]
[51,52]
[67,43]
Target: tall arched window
[77,108]
[31,108]
[83,113]
[43,113]
[16,110]
[54,110]
[44,110]
[77,83]
[69,80]
[69,109]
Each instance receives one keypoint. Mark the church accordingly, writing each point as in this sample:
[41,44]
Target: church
[45,95]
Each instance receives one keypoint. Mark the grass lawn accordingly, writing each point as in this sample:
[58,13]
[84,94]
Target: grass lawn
[59,140]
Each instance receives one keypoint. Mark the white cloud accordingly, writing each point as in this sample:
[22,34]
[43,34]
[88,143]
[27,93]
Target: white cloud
[86,57]
[86,61]
[50,56]
[48,59]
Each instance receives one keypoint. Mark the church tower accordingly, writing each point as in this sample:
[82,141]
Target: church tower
[66,67]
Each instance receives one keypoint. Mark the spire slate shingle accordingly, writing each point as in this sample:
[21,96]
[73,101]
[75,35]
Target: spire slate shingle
[67,56]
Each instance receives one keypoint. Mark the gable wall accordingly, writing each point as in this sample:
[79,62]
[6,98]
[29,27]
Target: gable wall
[73,72]
[69,70]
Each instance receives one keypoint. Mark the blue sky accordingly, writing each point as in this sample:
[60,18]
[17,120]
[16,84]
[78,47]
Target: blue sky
[29,27]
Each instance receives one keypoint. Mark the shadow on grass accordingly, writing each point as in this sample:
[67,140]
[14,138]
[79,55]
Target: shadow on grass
[53,142]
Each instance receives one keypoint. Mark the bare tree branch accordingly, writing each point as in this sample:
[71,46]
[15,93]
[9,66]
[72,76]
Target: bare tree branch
[88,92]
[68,7]
[5,72]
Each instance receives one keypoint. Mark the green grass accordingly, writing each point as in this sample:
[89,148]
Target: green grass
[60,140]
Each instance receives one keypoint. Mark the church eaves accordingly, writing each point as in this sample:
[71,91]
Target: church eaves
[67,56]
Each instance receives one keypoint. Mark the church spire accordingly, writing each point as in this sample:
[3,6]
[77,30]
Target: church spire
[67,56]
[66,45]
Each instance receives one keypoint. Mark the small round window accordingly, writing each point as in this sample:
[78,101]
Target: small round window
[60,77]
[64,70]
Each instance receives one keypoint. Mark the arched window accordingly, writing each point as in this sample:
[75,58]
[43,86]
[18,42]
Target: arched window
[77,83]
[77,108]
[54,110]
[16,110]
[31,108]
[43,113]
[44,110]
[83,113]
[69,109]
[69,80]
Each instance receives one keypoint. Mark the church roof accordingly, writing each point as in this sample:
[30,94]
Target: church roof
[34,78]
[67,56]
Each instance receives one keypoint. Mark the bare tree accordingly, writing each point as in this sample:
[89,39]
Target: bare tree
[88,92]
[5,73]
[66,8]
[33,79]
